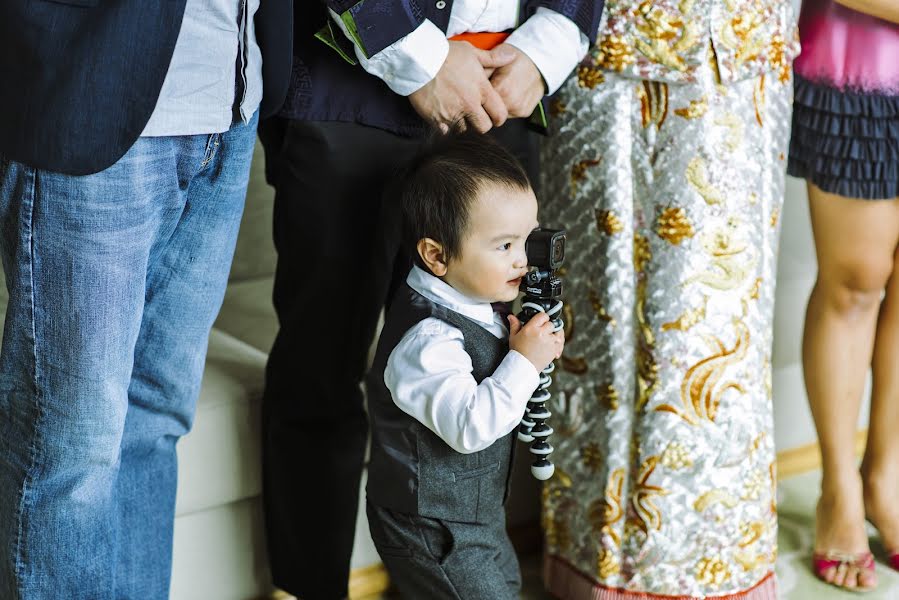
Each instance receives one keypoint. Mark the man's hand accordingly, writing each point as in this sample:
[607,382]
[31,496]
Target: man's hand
[462,90]
[536,341]
[518,82]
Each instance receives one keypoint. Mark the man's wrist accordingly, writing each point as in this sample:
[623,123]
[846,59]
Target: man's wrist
[411,62]
[554,44]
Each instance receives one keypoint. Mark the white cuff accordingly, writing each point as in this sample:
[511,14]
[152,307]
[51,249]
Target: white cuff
[410,62]
[518,375]
[553,42]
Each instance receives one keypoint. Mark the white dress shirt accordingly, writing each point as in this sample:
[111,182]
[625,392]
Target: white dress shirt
[429,374]
[552,41]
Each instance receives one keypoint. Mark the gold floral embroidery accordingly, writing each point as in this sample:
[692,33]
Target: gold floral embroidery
[745,34]
[568,415]
[568,319]
[758,100]
[778,58]
[695,110]
[604,513]
[591,456]
[688,319]
[644,495]
[750,533]
[607,397]
[673,225]
[607,564]
[734,138]
[675,457]
[589,77]
[653,96]
[775,215]
[755,289]
[614,53]
[772,474]
[579,171]
[711,571]
[749,561]
[668,40]
[608,222]
[702,388]
[598,308]
[697,175]
[728,268]
[647,368]
[557,107]
[555,506]
[754,485]
[642,253]
[664,37]
[756,444]
[577,366]
[713,497]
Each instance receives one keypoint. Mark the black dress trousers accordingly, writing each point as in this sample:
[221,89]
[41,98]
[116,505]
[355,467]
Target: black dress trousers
[339,258]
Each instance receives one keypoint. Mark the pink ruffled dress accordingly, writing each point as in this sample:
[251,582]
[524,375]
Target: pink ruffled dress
[845,136]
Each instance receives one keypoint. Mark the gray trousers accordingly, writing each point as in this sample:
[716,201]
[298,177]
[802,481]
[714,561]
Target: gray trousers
[435,559]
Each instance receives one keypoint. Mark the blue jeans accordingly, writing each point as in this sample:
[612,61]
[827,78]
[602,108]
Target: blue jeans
[114,282]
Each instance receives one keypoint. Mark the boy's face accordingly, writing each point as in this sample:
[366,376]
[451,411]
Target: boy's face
[493,259]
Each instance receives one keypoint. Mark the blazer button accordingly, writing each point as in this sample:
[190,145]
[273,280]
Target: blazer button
[440,5]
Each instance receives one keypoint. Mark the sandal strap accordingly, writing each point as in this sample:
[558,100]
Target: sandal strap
[861,560]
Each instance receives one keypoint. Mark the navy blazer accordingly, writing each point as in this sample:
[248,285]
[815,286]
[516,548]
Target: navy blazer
[324,87]
[79,79]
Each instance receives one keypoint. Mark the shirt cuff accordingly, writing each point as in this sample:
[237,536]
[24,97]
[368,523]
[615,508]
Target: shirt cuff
[410,62]
[518,375]
[553,42]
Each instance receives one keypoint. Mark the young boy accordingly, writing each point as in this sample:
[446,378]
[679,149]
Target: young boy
[449,382]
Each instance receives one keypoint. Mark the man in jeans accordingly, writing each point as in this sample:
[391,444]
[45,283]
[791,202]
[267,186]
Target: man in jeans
[126,133]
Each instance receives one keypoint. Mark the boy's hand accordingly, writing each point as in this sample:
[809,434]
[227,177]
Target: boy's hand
[536,340]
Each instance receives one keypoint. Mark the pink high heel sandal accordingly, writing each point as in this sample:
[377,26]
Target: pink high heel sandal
[864,562]
[893,559]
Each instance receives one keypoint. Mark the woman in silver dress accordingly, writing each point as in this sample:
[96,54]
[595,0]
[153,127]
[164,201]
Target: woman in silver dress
[666,165]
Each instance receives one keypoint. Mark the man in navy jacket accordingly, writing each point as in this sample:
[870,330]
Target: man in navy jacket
[343,130]
[126,133]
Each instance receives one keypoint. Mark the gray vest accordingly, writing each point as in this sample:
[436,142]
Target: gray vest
[411,469]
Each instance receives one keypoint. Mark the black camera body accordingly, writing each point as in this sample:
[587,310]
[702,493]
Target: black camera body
[542,287]
[546,251]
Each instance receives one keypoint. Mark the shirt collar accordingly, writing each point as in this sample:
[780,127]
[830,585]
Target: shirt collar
[437,291]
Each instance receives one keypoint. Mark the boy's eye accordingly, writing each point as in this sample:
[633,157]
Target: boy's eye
[506,246]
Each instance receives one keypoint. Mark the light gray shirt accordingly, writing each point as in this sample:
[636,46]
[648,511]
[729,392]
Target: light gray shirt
[198,94]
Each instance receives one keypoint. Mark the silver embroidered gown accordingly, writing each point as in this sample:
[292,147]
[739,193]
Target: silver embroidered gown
[666,165]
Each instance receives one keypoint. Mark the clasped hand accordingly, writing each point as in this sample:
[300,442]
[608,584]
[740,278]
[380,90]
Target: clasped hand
[480,88]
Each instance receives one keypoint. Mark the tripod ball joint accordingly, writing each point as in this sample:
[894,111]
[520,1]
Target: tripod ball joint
[542,287]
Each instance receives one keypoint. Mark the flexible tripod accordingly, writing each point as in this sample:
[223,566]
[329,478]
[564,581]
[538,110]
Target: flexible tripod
[542,288]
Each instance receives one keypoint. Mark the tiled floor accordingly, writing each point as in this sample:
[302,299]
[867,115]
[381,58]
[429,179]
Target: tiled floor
[796,505]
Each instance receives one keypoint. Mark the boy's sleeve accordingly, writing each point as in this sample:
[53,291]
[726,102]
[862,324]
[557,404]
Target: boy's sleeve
[429,375]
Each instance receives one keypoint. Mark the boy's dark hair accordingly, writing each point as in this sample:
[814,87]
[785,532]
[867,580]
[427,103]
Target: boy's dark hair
[437,187]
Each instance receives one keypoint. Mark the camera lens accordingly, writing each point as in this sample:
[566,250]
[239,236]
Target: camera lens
[558,250]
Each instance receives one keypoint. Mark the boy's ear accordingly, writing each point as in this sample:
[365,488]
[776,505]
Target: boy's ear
[431,253]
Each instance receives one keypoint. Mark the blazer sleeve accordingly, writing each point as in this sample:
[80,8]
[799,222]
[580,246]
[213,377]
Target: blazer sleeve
[375,24]
[584,13]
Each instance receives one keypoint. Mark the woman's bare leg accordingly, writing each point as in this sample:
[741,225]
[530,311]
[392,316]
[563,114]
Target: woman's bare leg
[855,241]
[880,467]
